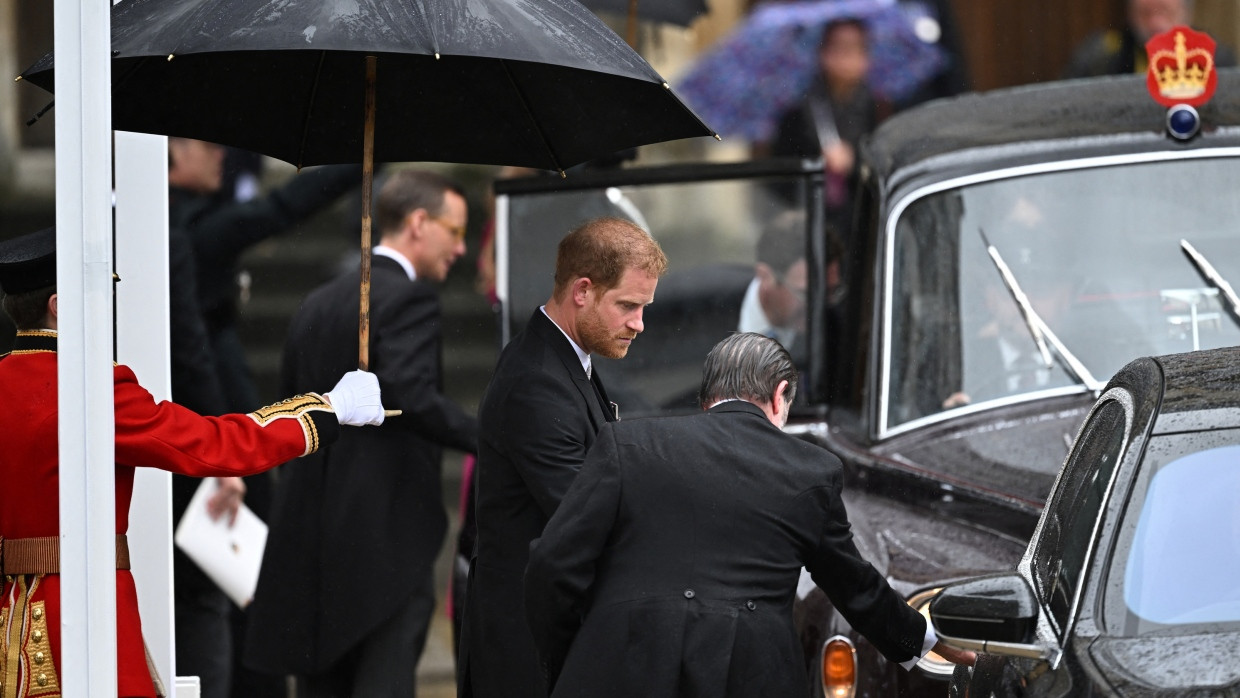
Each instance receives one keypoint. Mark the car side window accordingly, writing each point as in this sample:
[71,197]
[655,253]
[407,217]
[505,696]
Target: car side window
[1063,546]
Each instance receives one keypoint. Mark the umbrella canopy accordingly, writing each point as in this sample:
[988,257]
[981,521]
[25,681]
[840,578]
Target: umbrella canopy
[536,83]
[766,65]
[681,12]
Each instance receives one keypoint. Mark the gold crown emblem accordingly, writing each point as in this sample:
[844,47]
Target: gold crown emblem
[1182,73]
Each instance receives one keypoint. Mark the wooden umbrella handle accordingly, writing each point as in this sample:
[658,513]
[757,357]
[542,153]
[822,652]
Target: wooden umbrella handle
[368,178]
[368,167]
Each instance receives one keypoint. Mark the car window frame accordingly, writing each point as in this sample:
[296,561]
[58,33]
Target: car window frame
[882,429]
[808,175]
[1061,627]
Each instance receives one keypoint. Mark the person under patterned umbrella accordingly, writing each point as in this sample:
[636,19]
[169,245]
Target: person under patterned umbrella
[838,110]
[755,74]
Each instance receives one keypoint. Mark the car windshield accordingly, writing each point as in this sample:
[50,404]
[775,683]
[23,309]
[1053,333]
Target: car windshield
[725,240]
[1178,554]
[1097,252]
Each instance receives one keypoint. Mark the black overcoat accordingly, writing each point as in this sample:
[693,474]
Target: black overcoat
[356,528]
[538,419]
[671,566]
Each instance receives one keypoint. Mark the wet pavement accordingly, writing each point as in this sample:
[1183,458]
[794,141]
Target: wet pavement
[437,669]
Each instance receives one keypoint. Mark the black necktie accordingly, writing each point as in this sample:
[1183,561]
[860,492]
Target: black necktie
[609,409]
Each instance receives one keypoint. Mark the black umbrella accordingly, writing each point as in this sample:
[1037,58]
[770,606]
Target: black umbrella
[535,83]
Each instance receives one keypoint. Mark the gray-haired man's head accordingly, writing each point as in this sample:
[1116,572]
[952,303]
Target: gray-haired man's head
[747,366]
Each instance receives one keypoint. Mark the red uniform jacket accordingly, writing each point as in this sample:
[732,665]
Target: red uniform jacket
[148,434]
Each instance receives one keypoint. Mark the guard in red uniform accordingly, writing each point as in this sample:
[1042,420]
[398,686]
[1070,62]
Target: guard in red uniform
[148,434]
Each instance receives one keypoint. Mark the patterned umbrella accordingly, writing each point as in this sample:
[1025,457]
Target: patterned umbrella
[765,66]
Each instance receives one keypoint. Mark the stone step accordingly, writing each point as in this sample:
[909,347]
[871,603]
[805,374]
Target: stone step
[292,266]
[279,299]
[283,270]
[466,359]
[467,369]
[466,319]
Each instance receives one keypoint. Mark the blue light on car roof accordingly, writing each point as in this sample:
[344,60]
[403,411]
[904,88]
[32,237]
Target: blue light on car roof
[1183,122]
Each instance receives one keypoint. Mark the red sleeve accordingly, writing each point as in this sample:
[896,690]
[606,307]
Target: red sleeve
[170,437]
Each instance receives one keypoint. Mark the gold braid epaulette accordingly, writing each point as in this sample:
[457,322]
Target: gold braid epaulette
[298,407]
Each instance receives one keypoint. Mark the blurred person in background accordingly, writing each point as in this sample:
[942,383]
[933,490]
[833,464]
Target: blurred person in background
[1119,51]
[837,112]
[221,228]
[204,633]
[774,303]
[346,590]
[243,172]
[215,213]
[938,26]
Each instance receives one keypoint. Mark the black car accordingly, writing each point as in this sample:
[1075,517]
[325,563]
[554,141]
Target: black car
[1131,584]
[1018,248]
[1013,251]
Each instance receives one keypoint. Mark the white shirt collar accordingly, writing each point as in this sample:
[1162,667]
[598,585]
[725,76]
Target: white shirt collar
[402,260]
[753,318]
[582,355]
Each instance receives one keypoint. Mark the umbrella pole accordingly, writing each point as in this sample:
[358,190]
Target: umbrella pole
[368,166]
[632,25]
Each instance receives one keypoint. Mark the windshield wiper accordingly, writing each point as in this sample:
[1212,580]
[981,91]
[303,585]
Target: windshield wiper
[1027,313]
[1211,276]
[1038,329]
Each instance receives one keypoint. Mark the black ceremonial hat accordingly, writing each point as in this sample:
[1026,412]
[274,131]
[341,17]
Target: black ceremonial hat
[28,263]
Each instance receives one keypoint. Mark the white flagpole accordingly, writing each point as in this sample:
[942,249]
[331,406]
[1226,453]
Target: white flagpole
[84,286]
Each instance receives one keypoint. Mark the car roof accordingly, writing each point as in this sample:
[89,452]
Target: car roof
[1066,109]
[1201,391]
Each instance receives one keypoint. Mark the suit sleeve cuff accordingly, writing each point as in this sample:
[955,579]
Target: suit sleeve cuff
[927,644]
[325,430]
[319,424]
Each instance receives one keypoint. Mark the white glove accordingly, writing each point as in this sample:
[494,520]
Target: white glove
[355,399]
